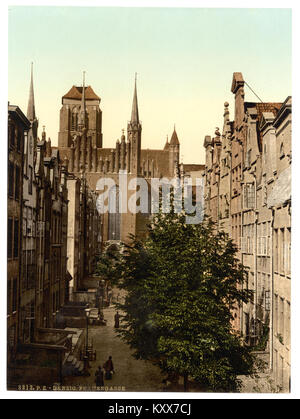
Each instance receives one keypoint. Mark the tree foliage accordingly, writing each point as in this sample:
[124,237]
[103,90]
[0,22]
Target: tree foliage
[182,284]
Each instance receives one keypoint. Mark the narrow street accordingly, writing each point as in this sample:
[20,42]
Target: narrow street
[130,374]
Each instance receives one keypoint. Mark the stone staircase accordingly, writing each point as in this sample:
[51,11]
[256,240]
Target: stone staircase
[72,366]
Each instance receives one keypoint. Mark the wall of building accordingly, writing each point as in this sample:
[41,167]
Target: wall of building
[258,146]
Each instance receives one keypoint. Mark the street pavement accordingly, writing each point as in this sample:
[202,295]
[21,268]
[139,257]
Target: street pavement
[130,374]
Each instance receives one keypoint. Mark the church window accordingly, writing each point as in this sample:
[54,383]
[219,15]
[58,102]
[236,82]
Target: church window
[114,218]
[74,121]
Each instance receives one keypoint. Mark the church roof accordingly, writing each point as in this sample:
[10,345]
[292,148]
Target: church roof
[76,93]
[174,139]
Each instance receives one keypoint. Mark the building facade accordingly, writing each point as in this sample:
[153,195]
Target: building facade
[243,177]
[18,127]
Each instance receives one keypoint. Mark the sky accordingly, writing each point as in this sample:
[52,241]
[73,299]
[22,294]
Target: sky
[184,59]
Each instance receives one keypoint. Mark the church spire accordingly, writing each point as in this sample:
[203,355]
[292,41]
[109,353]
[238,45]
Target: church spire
[31,106]
[135,110]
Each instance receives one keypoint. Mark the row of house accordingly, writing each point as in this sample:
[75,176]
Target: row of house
[248,195]
[52,225]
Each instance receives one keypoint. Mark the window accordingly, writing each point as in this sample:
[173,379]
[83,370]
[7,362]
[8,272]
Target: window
[288,325]
[281,319]
[287,252]
[114,219]
[276,314]
[9,237]
[19,140]
[282,250]
[14,294]
[11,169]
[249,196]
[12,135]
[17,183]
[30,180]
[267,301]
[74,121]
[248,159]
[16,238]
[276,250]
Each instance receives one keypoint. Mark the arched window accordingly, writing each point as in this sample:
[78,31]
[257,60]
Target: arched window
[74,121]
[114,217]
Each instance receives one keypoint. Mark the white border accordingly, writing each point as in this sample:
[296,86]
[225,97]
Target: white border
[3,155]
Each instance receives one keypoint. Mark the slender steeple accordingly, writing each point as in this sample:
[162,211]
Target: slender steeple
[134,131]
[135,110]
[31,107]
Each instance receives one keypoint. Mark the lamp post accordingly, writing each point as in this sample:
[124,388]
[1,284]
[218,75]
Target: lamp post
[87,315]
[86,356]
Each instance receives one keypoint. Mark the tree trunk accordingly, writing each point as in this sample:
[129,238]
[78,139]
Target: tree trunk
[185,382]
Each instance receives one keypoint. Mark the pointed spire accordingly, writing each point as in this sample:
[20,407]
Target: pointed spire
[174,139]
[31,107]
[135,111]
[167,144]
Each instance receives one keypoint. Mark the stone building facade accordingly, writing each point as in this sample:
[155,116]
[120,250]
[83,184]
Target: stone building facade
[84,226]
[244,164]
[18,127]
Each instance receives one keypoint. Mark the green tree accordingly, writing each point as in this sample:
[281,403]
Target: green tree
[182,284]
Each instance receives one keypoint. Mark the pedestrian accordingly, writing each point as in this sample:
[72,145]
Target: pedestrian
[109,368]
[99,377]
[117,320]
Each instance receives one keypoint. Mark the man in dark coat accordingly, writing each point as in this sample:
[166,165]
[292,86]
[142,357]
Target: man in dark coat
[109,368]
[99,377]
[117,320]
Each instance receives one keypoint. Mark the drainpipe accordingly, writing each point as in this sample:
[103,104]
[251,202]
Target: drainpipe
[271,331]
[255,254]
[242,220]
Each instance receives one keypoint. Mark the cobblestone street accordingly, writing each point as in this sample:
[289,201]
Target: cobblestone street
[130,374]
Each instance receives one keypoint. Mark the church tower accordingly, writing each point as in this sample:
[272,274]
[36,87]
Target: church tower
[134,135]
[80,109]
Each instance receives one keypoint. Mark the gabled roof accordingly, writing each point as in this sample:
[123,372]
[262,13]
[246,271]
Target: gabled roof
[16,113]
[76,93]
[262,107]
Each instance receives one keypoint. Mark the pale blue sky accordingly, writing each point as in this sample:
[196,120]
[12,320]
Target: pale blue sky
[184,59]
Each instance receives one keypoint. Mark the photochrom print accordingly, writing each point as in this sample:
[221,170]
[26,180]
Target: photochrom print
[149,199]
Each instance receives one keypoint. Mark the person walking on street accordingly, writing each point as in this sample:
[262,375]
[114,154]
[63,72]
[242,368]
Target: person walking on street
[99,377]
[109,368]
[117,320]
